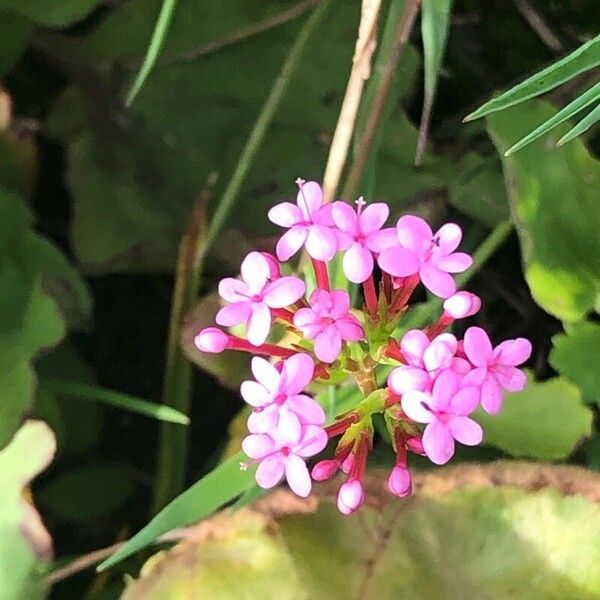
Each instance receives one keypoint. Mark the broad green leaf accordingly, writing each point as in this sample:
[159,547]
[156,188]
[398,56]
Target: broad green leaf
[574,355]
[25,545]
[584,58]
[588,97]
[588,121]
[223,484]
[546,421]
[491,542]
[14,34]
[51,13]
[554,199]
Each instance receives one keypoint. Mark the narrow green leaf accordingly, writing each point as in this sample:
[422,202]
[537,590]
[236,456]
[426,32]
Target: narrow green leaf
[583,125]
[132,403]
[158,37]
[208,494]
[581,102]
[584,58]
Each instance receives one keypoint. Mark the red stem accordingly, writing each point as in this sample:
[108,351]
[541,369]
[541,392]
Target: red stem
[404,294]
[321,274]
[439,326]
[370,296]
[284,314]
[236,343]
[359,465]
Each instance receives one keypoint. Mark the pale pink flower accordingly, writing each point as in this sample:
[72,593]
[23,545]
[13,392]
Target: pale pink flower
[400,481]
[360,235]
[445,411]
[495,368]
[430,255]
[350,497]
[424,358]
[309,223]
[251,297]
[329,322]
[277,397]
[278,458]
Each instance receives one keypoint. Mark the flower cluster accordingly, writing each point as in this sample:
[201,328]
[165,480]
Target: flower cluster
[434,381]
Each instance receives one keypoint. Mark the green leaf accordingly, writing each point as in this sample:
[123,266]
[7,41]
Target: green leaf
[223,484]
[14,35]
[554,200]
[25,544]
[92,393]
[581,102]
[51,13]
[584,58]
[573,356]
[483,540]
[590,119]
[545,421]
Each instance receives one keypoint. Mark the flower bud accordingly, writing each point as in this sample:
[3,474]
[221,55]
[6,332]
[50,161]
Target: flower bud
[400,481]
[461,305]
[415,445]
[347,464]
[325,469]
[350,497]
[211,340]
[274,270]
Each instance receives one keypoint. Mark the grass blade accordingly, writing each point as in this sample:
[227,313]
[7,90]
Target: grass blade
[92,393]
[583,125]
[584,100]
[158,37]
[584,58]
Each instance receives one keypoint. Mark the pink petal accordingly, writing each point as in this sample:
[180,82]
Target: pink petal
[235,313]
[233,290]
[400,482]
[466,431]
[321,243]
[513,352]
[321,301]
[343,240]
[285,214]
[448,236]
[350,329]
[465,401]
[266,374]
[444,388]
[258,446]
[398,262]
[290,242]
[309,411]
[344,217]
[314,439]
[297,373]
[255,394]
[328,344]
[413,233]
[491,396]
[340,302]
[414,405]
[413,345]
[350,497]
[373,217]
[510,378]
[289,427]
[305,317]
[324,216]
[297,475]
[381,240]
[477,347]
[270,471]
[405,379]
[358,263]
[263,421]
[283,292]
[255,272]
[439,354]
[474,377]
[309,198]
[461,305]
[436,281]
[259,324]
[438,443]
[455,263]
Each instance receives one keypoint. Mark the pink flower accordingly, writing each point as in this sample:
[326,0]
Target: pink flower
[360,235]
[329,322]
[495,368]
[278,400]
[424,359]
[309,223]
[432,256]
[350,497]
[253,296]
[400,481]
[278,457]
[445,411]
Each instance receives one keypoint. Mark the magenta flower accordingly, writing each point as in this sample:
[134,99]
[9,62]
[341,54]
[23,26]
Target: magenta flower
[278,400]
[445,411]
[309,223]
[360,235]
[431,256]
[329,322]
[253,296]
[495,368]
[424,358]
[278,457]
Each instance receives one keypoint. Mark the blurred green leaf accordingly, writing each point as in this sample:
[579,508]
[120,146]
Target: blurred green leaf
[14,35]
[574,355]
[545,421]
[584,58]
[588,121]
[25,545]
[51,13]
[221,485]
[554,197]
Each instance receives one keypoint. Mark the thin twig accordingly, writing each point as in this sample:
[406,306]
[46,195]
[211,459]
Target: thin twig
[361,70]
[539,25]
[405,25]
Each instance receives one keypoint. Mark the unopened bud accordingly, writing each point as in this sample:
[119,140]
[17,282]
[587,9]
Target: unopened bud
[350,497]
[400,481]
[461,305]
[212,340]
[325,469]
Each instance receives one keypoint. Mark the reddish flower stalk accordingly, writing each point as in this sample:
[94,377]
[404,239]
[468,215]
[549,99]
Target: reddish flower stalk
[340,426]
[370,296]
[321,274]
[404,294]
